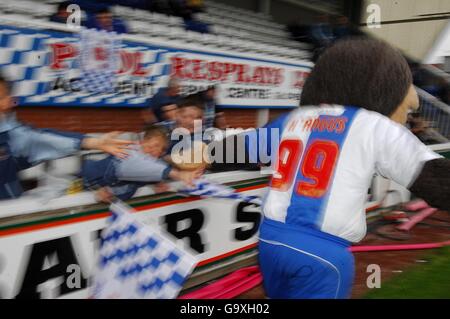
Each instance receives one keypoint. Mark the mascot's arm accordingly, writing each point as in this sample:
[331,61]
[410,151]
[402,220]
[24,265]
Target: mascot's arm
[433,183]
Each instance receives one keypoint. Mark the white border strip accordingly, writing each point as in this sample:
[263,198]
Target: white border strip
[440,147]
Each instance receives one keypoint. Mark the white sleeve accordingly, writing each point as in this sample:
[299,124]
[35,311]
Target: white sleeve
[399,154]
[138,167]
[38,145]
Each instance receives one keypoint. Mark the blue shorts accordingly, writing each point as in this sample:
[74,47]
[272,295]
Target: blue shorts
[304,263]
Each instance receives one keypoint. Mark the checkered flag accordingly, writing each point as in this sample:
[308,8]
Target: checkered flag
[138,262]
[204,188]
[98,60]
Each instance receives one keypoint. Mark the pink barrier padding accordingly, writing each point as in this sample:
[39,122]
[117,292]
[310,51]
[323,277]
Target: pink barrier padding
[247,278]
[417,218]
[239,287]
[218,286]
[230,286]
[416,205]
[356,249]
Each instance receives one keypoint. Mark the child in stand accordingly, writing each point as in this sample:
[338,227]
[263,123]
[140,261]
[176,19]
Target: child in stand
[22,146]
[143,165]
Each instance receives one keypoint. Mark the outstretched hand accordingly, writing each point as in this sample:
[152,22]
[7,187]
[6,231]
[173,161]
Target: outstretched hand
[161,187]
[187,177]
[104,195]
[109,143]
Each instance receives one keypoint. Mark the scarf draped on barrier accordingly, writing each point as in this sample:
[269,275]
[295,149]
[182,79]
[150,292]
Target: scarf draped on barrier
[137,261]
[205,189]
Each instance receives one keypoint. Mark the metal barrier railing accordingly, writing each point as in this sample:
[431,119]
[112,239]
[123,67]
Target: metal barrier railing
[437,113]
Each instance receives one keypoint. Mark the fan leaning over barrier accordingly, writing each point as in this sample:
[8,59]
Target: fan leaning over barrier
[22,146]
[123,177]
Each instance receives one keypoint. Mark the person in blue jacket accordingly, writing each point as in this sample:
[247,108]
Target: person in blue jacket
[22,146]
[103,19]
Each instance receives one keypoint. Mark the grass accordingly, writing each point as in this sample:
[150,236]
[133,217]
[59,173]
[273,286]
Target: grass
[424,281]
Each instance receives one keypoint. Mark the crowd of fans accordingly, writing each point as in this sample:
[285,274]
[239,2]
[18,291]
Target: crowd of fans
[436,85]
[423,129]
[323,32]
[130,165]
[168,108]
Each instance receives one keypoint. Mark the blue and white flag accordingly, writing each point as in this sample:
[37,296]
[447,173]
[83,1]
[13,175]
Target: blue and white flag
[138,262]
[98,60]
[204,188]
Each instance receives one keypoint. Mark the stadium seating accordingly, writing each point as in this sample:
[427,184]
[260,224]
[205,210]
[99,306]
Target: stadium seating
[231,28]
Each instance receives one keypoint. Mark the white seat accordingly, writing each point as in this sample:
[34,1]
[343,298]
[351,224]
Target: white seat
[143,15]
[125,12]
[43,10]
[64,166]
[139,27]
[192,36]
[175,21]
[225,42]
[242,45]
[21,6]
[159,17]
[209,38]
[32,172]
[18,19]
[177,33]
[158,29]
